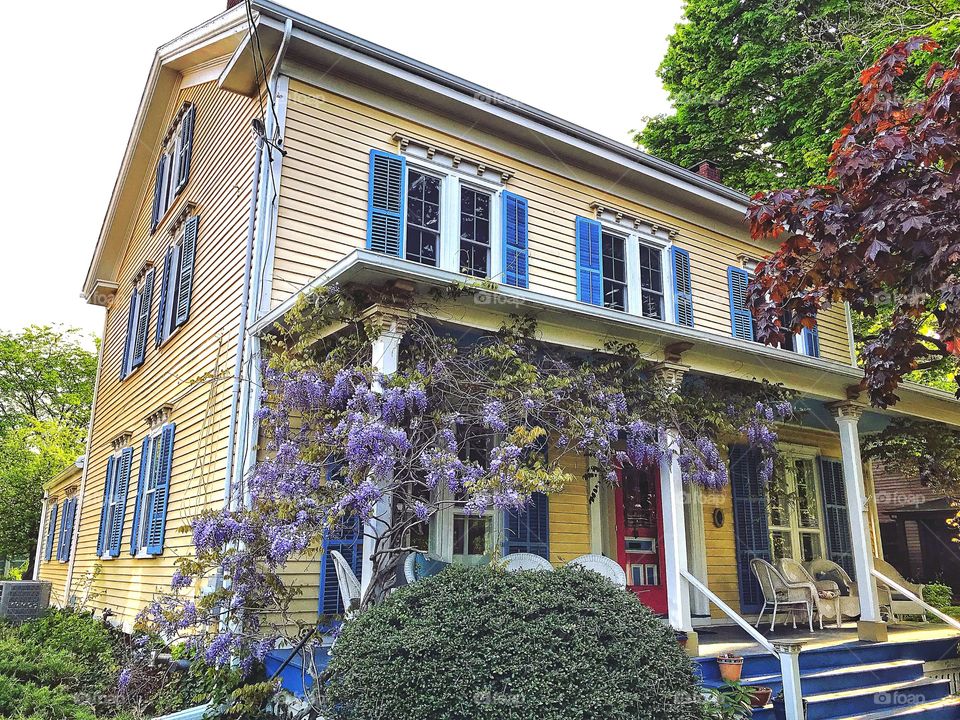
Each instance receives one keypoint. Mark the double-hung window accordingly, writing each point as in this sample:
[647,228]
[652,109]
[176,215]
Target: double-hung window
[613,248]
[439,209]
[423,217]
[173,165]
[743,324]
[153,492]
[474,232]
[627,269]
[176,282]
[112,512]
[651,282]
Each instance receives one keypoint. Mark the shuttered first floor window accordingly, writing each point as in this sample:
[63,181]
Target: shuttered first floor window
[153,491]
[116,484]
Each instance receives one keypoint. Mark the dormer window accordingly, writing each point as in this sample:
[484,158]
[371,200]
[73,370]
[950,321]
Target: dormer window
[173,166]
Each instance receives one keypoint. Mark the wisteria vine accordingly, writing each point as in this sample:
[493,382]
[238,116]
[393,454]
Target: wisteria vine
[482,420]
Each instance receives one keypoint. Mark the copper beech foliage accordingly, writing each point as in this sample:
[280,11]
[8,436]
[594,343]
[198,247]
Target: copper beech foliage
[884,231]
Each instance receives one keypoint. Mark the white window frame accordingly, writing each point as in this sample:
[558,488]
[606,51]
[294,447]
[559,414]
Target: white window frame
[448,254]
[635,238]
[791,453]
[442,523]
[172,148]
[144,500]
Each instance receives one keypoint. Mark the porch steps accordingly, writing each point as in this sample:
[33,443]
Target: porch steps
[871,681]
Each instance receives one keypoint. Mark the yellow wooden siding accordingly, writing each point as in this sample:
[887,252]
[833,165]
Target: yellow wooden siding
[323,208]
[570,514]
[192,371]
[54,570]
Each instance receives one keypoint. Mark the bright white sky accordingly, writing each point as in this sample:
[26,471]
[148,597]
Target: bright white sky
[78,70]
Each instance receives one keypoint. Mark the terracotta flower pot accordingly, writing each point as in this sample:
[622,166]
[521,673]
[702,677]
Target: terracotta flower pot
[731,667]
[759,695]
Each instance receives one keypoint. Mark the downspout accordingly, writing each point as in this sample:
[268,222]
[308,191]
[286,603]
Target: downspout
[242,460]
[81,493]
[37,555]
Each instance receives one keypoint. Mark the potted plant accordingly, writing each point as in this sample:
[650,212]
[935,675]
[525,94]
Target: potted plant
[730,702]
[780,707]
[731,667]
[681,638]
[759,695]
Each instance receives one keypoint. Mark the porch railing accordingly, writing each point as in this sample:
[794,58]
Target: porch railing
[952,622]
[788,653]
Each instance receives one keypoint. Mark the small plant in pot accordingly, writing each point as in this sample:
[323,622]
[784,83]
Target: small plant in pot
[731,667]
[759,695]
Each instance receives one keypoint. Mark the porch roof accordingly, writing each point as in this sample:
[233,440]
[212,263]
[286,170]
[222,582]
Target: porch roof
[578,325]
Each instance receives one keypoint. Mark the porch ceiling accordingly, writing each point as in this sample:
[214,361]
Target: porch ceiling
[577,325]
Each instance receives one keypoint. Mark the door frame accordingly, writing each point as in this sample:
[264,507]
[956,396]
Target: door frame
[791,453]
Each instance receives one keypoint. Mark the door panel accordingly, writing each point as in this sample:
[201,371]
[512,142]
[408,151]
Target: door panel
[640,535]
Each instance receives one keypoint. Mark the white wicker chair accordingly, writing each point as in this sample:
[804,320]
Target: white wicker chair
[518,562]
[348,582]
[849,604]
[779,593]
[826,595]
[603,565]
[899,605]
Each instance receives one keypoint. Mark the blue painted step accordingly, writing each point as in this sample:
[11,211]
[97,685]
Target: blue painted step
[862,681]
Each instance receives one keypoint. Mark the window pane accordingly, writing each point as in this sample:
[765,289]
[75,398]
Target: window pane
[478,535]
[459,534]
[614,271]
[474,232]
[808,510]
[810,546]
[423,217]
[780,545]
[651,282]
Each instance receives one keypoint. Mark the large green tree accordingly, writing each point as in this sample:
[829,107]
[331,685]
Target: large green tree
[46,387]
[762,87]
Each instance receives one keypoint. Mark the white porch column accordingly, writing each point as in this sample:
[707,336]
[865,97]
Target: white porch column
[674,551]
[871,626]
[385,357]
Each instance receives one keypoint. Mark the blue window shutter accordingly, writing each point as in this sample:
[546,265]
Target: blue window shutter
[158,512]
[51,529]
[188,254]
[741,321]
[101,537]
[66,529]
[348,541]
[836,514]
[811,341]
[162,300]
[385,210]
[515,240]
[120,486]
[589,277]
[64,507]
[186,146]
[141,483]
[128,342]
[143,321]
[158,191]
[528,529]
[749,521]
[682,286]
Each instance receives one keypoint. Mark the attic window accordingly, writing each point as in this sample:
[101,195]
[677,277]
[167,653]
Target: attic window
[173,165]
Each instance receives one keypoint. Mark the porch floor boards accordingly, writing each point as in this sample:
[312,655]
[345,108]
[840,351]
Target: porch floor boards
[716,639]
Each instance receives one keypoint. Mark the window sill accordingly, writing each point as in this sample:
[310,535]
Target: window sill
[144,555]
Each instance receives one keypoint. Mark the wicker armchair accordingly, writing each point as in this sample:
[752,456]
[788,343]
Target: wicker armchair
[849,604]
[778,593]
[826,593]
[897,603]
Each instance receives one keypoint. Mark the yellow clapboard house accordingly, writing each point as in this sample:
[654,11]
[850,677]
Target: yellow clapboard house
[339,161]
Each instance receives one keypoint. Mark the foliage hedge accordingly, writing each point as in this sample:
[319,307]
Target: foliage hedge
[483,643]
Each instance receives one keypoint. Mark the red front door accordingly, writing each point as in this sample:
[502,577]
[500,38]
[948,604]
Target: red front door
[640,535]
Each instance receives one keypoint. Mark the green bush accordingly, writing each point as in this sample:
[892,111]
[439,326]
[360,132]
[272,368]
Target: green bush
[483,643]
[938,595]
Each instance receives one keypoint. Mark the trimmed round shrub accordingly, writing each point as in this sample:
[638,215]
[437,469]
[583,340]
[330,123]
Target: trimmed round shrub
[484,643]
